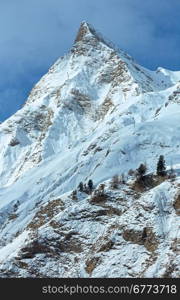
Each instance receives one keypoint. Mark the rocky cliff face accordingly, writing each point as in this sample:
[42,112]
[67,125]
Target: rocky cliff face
[95,114]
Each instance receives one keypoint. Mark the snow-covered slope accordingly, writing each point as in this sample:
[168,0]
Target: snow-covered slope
[96,113]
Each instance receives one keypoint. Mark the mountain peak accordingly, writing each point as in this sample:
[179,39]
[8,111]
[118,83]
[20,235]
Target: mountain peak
[87,32]
[95,114]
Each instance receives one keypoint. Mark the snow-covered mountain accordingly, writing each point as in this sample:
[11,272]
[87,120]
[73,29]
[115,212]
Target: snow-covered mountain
[95,114]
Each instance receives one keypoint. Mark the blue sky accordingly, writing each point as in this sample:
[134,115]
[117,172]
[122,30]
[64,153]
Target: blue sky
[33,34]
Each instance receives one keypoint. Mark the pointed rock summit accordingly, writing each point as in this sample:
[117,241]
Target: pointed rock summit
[87,32]
[83,32]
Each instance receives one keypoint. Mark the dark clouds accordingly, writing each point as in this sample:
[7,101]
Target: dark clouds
[33,34]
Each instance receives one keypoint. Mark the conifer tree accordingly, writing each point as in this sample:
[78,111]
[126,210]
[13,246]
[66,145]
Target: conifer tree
[161,166]
[115,182]
[90,185]
[74,195]
[141,171]
[81,187]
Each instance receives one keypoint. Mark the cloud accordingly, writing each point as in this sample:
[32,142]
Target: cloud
[35,33]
